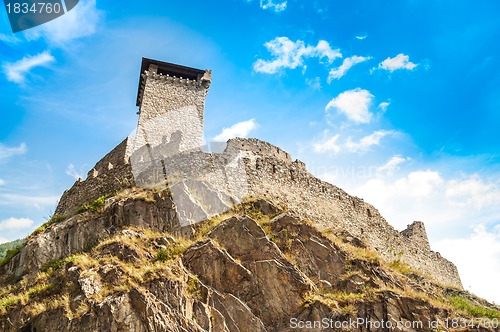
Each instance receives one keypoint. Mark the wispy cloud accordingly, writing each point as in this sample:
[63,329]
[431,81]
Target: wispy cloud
[365,143]
[314,83]
[440,200]
[354,104]
[400,61]
[11,39]
[329,144]
[71,171]
[472,192]
[2,182]
[15,224]
[383,106]
[274,6]
[361,37]
[240,129]
[392,164]
[16,72]
[6,152]
[37,202]
[79,22]
[337,73]
[290,55]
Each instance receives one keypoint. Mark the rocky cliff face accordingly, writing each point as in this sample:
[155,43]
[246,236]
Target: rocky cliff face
[120,264]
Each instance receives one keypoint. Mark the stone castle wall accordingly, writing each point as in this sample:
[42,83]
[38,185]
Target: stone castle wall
[270,172]
[111,174]
[290,184]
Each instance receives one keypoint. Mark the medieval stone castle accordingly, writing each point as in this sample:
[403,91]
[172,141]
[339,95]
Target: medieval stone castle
[167,149]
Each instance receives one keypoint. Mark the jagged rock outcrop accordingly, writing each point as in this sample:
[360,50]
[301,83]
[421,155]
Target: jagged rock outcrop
[255,268]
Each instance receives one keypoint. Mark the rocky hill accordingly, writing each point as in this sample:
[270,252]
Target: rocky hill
[116,264]
[165,236]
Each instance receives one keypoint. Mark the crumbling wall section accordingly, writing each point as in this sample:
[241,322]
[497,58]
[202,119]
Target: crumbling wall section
[289,183]
[111,174]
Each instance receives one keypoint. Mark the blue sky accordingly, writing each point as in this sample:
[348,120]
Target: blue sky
[397,102]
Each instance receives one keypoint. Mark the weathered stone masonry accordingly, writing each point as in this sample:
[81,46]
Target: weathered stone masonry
[109,175]
[289,183]
[171,98]
[270,173]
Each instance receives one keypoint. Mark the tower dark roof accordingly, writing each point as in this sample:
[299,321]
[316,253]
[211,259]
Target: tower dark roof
[167,68]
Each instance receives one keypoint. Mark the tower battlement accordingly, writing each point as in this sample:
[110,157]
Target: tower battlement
[171,101]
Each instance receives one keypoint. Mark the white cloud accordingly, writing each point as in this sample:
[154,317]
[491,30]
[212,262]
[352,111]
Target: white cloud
[447,206]
[2,240]
[71,171]
[314,83]
[37,202]
[2,182]
[11,39]
[383,106]
[472,192]
[361,37]
[355,104]
[274,6]
[240,129]
[289,54]
[328,144]
[400,61]
[17,71]
[15,224]
[426,195]
[337,73]
[365,143]
[477,258]
[392,164]
[323,49]
[6,152]
[80,22]
[418,183]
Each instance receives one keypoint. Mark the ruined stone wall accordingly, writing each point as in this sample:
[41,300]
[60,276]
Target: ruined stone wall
[289,183]
[259,147]
[417,234]
[270,172]
[111,174]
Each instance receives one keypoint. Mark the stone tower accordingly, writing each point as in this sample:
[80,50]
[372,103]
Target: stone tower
[171,101]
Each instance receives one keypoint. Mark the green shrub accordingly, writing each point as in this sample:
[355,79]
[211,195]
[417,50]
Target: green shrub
[56,264]
[400,266]
[10,254]
[162,255]
[96,205]
[53,220]
[461,303]
[193,287]
[172,251]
